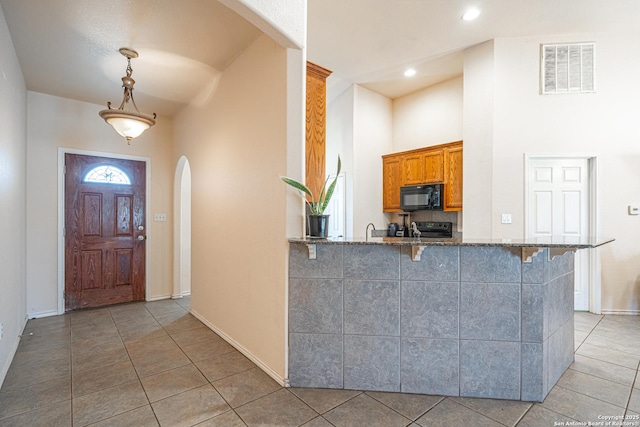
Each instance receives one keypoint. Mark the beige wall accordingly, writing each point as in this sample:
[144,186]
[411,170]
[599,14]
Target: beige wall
[13,135]
[359,128]
[501,117]
[372,132]
[477,135]
[260,108]
[55,122]
[340,121]
[236,145]
[428,117]
[602,124]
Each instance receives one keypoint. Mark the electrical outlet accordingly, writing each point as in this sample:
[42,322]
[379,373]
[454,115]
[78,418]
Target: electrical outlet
[161,217]
[506,218]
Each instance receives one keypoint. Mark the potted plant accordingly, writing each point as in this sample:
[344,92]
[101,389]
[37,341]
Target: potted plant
[318,222]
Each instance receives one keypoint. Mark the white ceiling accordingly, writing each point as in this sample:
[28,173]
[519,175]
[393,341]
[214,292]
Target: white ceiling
[372,42]
[69,48]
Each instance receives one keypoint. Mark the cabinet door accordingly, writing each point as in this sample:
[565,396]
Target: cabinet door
[413,169]
[433,166]
[453,179]
[391,182]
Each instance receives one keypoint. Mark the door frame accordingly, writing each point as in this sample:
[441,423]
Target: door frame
[61,212]
[341,181]
[595,279]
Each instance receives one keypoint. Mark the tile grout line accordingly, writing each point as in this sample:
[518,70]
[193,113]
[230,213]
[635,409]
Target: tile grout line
[138,375]
[305,403]
[231,408]
[113,386]
[626,408]
[134,367]
[574,353]
[588,335]
[594,330]
[71,370]
[393,409]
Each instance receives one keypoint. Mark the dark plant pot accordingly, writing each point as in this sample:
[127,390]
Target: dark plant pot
[318,225]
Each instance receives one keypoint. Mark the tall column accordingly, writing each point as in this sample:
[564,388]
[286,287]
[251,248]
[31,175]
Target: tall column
[316,127]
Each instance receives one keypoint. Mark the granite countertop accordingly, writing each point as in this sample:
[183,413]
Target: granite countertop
[550,242]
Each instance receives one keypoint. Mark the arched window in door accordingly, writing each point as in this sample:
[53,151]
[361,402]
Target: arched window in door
[107,174]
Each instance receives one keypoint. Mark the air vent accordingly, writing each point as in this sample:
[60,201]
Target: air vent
[567,68]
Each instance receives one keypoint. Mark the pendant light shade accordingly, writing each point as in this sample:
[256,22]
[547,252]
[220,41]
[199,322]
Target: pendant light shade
[129,124]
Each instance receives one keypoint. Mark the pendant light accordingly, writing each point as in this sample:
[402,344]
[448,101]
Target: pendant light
[129,124]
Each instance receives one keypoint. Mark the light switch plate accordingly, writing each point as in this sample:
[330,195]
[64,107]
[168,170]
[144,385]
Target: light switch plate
[506,218]
[634,209]
[160,217]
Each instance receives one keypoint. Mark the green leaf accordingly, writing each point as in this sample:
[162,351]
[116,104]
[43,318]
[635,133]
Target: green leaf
[315,208]
[332,187]
[298,186]
[317,205]
[327,199]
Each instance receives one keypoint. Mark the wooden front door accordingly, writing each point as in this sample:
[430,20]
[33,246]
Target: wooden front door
[105,231]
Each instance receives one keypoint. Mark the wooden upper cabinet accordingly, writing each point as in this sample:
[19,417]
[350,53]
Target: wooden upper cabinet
[391,183]
[423,166]
[429,165]
[453,178]
[316,124]
[434,166]
[413,169]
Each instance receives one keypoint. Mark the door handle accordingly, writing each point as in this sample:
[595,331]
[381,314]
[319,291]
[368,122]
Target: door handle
[141,237]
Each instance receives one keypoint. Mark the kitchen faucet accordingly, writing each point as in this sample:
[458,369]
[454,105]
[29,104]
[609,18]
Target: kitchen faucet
[366,232]
[414,229]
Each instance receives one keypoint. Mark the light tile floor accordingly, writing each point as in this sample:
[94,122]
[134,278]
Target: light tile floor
[150,364]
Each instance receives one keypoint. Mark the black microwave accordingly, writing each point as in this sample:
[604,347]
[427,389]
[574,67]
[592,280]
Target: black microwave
[421,197]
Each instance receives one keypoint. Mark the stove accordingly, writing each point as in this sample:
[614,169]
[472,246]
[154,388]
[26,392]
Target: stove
[435,229]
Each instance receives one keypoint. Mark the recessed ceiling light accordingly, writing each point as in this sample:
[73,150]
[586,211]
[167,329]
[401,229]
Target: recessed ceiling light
[410,72]
[471,14]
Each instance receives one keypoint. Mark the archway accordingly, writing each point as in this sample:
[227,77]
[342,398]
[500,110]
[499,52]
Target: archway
[182,229]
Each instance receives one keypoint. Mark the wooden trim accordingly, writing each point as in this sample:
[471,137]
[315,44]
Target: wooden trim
[315,127]
[317,71]
[423,149]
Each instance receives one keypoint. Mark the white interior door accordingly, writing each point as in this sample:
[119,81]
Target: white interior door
[559,206]
[337,208]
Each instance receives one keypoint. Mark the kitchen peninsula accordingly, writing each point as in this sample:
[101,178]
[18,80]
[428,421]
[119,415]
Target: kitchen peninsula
[455,317]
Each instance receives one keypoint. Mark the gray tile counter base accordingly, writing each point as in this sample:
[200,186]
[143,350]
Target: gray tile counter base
[469,321]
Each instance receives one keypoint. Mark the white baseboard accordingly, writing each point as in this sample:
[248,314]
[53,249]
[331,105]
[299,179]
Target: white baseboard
[622,312]
[178,296]
[158,298]
[7,362]
[12,354]
[42,314]
[283,382]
